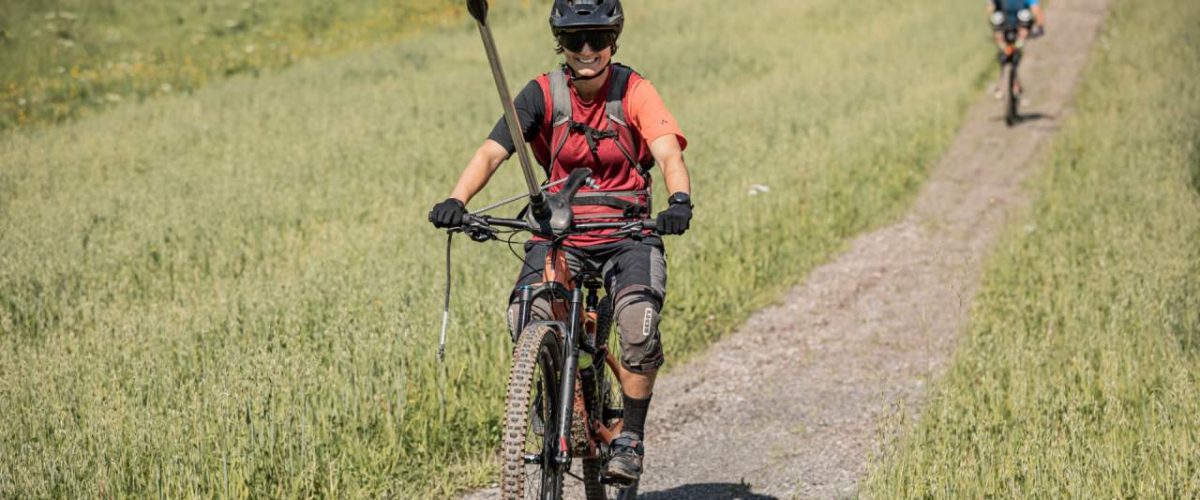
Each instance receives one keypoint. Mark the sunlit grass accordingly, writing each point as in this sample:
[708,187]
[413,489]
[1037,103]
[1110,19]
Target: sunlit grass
[235,292]
[64,58]
[1080,376]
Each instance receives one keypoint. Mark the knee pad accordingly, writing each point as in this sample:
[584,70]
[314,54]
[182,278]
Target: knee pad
[538,310]
[637,318]
[997,19]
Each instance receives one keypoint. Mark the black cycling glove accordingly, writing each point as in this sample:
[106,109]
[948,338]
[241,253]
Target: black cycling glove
[674,220]
[448,213]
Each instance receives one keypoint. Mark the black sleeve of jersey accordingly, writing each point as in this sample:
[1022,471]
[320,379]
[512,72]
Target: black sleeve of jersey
[531,112]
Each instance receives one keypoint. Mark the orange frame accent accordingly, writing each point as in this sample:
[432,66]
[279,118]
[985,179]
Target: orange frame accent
[557,270]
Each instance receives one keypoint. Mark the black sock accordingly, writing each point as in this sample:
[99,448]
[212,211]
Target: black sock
[635,414]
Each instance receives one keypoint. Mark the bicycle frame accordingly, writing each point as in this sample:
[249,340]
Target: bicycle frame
[574,318]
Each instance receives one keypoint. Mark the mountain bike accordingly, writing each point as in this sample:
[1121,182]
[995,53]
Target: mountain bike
[1012,59]
[564,387]
[1012,56]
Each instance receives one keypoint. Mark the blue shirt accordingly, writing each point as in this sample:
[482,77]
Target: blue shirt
[1013,5]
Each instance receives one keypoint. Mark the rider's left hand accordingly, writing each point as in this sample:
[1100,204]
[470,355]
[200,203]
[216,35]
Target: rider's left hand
[674,220]
[1037,31]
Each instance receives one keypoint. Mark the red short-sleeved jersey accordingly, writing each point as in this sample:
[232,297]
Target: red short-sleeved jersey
[645,113]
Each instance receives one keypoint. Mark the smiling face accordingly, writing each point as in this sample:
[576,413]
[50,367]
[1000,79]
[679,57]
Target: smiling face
[588,53]
[587,62]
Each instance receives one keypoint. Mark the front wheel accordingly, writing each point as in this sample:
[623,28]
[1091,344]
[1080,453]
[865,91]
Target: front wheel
[528,470]
[1014,100]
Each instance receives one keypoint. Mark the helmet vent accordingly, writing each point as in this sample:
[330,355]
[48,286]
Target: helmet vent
[569,15]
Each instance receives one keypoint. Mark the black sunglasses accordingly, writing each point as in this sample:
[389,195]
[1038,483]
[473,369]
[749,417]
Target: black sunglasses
[596,39]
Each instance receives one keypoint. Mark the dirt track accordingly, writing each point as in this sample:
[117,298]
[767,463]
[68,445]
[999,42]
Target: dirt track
[791,404]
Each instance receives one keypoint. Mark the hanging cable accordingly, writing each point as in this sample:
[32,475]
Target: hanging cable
[446,306]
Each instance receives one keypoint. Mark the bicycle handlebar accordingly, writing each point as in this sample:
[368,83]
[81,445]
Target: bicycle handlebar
[558,221]
[479,227]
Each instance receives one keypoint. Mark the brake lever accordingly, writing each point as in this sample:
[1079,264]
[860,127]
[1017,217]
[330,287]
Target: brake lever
[633,230]
[477,229]
[480,234]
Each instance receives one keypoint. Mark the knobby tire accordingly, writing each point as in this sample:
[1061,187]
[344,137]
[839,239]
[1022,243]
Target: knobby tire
[1012,117]
[532,388]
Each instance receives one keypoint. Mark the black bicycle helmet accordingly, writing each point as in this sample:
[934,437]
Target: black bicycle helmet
[570,15]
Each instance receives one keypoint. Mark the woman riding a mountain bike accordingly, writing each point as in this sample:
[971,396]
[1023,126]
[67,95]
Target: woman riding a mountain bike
[592,113]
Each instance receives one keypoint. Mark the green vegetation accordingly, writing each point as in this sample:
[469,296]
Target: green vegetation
[1081,375]
[235,292]
[61,58]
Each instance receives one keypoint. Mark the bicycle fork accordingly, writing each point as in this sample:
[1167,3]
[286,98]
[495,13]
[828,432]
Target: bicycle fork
[559,451]
[566,399]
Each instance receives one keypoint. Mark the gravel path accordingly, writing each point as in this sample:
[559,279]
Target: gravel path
[791,404]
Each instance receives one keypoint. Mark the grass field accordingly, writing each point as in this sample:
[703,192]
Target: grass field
[63,58]
[235,292]
[1081,375]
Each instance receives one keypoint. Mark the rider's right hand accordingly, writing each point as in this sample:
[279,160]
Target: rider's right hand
[448,213]
[1037,31]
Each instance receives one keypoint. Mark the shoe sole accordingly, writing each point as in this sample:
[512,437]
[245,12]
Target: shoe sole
[621,477]
[620,482]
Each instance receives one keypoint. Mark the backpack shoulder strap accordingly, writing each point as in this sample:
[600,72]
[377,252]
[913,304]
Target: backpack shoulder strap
[613,105]
[560,98]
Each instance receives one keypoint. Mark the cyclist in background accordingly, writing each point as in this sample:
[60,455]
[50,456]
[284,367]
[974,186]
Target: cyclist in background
[597,114]
[1026,17]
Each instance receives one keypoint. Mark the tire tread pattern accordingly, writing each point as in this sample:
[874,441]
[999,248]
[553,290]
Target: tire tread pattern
[516,412]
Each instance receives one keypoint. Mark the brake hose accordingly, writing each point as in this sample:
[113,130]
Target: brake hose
[446,306]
